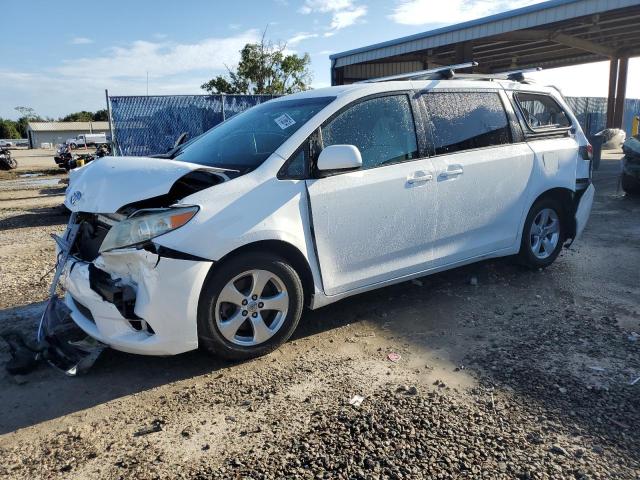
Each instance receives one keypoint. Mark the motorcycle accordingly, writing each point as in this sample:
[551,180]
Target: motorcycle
[6,161]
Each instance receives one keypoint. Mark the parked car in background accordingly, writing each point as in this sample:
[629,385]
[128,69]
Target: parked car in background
[5,144]
[311,198]
[87,140]
[630,176]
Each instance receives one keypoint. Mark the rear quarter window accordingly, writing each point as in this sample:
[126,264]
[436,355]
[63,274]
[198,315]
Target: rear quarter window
[466,120]
[541,112]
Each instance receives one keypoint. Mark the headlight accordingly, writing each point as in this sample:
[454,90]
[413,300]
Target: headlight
[139,229]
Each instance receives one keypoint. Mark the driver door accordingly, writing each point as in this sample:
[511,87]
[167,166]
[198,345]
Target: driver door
[377,223]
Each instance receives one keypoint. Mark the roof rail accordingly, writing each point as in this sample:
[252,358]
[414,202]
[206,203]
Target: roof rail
[518,75]
[438,73]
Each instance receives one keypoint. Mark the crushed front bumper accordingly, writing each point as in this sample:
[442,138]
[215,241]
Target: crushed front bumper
[136,301]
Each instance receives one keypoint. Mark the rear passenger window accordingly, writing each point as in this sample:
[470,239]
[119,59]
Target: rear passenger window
[382,128]
[541,111]
[466,120]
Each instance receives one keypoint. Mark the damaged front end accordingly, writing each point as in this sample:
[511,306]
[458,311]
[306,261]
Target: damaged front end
[122,290]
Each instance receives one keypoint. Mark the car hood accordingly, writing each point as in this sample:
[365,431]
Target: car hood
[108,183]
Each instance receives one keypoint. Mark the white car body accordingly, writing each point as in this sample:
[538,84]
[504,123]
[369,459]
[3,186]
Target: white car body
[355,231]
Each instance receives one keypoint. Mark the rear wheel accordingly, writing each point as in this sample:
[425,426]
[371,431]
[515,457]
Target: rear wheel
[249,306]
[543,234]
[630,185]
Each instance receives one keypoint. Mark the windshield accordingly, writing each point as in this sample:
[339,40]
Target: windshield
[246,140]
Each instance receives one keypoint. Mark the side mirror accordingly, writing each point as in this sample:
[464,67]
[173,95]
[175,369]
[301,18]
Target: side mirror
[339,157]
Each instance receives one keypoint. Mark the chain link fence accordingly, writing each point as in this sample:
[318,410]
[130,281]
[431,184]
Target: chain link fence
[151,125]
[591,112]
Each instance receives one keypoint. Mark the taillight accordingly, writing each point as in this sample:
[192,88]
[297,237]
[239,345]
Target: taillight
[586,152]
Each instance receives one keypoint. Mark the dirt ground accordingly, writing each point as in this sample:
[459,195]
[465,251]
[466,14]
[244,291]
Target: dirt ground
[503,373]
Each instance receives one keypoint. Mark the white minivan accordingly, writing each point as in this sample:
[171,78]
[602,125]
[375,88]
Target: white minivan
[313,197]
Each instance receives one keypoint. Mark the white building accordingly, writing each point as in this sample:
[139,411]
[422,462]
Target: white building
[58,132]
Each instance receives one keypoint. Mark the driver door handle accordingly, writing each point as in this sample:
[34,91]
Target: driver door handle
[452,171]
[419,177]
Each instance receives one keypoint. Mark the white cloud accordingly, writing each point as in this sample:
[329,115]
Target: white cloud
[299,37]
[159,58]
[345,18]
[421,12]
[344,13]
[80,41]
[325,6]
[79,84]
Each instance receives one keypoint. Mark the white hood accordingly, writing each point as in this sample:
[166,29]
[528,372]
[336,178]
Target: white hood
[108,183]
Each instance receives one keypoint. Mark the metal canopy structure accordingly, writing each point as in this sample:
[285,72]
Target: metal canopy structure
[551,34]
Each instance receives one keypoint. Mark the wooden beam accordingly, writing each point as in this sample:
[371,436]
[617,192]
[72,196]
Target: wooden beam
[561,38]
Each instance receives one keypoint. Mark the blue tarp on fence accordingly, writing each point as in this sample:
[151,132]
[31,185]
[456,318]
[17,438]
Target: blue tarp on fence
[151,125]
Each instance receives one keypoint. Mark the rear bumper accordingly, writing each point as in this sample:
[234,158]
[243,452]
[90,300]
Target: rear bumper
[584,210]
[163,320]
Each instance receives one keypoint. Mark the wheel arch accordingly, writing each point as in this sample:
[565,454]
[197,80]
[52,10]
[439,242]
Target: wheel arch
[568,199]
[284,249]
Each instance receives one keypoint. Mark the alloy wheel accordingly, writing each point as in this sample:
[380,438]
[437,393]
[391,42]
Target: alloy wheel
[544,233]
[251,307]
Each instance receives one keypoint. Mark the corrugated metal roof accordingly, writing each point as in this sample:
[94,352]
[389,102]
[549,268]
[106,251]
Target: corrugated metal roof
[526,17]
[67,126]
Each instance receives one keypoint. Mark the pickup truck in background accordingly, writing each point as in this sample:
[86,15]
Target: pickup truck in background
[87,140]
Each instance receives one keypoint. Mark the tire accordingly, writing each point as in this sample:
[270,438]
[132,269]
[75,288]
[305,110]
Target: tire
[538,251]
[227,326]
[630,185]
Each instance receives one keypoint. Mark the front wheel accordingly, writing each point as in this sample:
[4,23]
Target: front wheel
[249,306]
[543,234]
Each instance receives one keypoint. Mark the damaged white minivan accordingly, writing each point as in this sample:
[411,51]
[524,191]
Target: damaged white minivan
[310,198]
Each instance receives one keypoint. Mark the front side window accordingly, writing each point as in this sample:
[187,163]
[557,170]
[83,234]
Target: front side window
[246,140]
[382,128]
[466,120]
[541,111]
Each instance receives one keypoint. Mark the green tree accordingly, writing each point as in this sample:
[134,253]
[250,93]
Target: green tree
[27,114]
[101,116]
[82,116]
[8,129]
[264,68]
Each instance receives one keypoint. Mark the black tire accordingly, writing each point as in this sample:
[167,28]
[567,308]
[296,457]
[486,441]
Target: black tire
[630,185]
[209,334]
[526,255]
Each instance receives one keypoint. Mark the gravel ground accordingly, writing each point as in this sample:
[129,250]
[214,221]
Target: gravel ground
[503,373]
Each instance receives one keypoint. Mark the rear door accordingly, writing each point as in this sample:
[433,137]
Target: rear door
[482,175]
[548,130]
[376,223]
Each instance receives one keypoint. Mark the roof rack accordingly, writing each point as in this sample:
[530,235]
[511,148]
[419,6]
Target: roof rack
[439,73]
[449,72]
[518,75]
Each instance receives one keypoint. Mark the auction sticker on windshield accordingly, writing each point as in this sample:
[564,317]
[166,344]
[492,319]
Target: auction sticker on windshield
[284,121]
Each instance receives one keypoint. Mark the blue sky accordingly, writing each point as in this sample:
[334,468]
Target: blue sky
[63,54]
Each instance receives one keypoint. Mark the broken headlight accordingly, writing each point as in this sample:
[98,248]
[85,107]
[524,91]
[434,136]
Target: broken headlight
[145,226]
